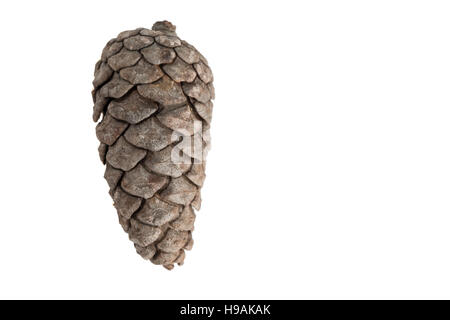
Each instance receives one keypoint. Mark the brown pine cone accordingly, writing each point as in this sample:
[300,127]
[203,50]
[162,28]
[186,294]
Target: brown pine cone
[154,92]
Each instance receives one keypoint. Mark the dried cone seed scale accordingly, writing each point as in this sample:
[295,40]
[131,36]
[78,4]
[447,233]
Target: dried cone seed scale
[153,92]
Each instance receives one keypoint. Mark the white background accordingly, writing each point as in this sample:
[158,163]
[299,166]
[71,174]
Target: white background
[329,175]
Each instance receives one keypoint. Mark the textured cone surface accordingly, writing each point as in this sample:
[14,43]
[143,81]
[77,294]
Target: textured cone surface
[153,94]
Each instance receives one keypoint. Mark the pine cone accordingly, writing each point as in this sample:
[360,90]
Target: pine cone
[154,92]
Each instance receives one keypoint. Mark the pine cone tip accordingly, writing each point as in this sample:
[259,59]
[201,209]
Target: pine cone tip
[164,26]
